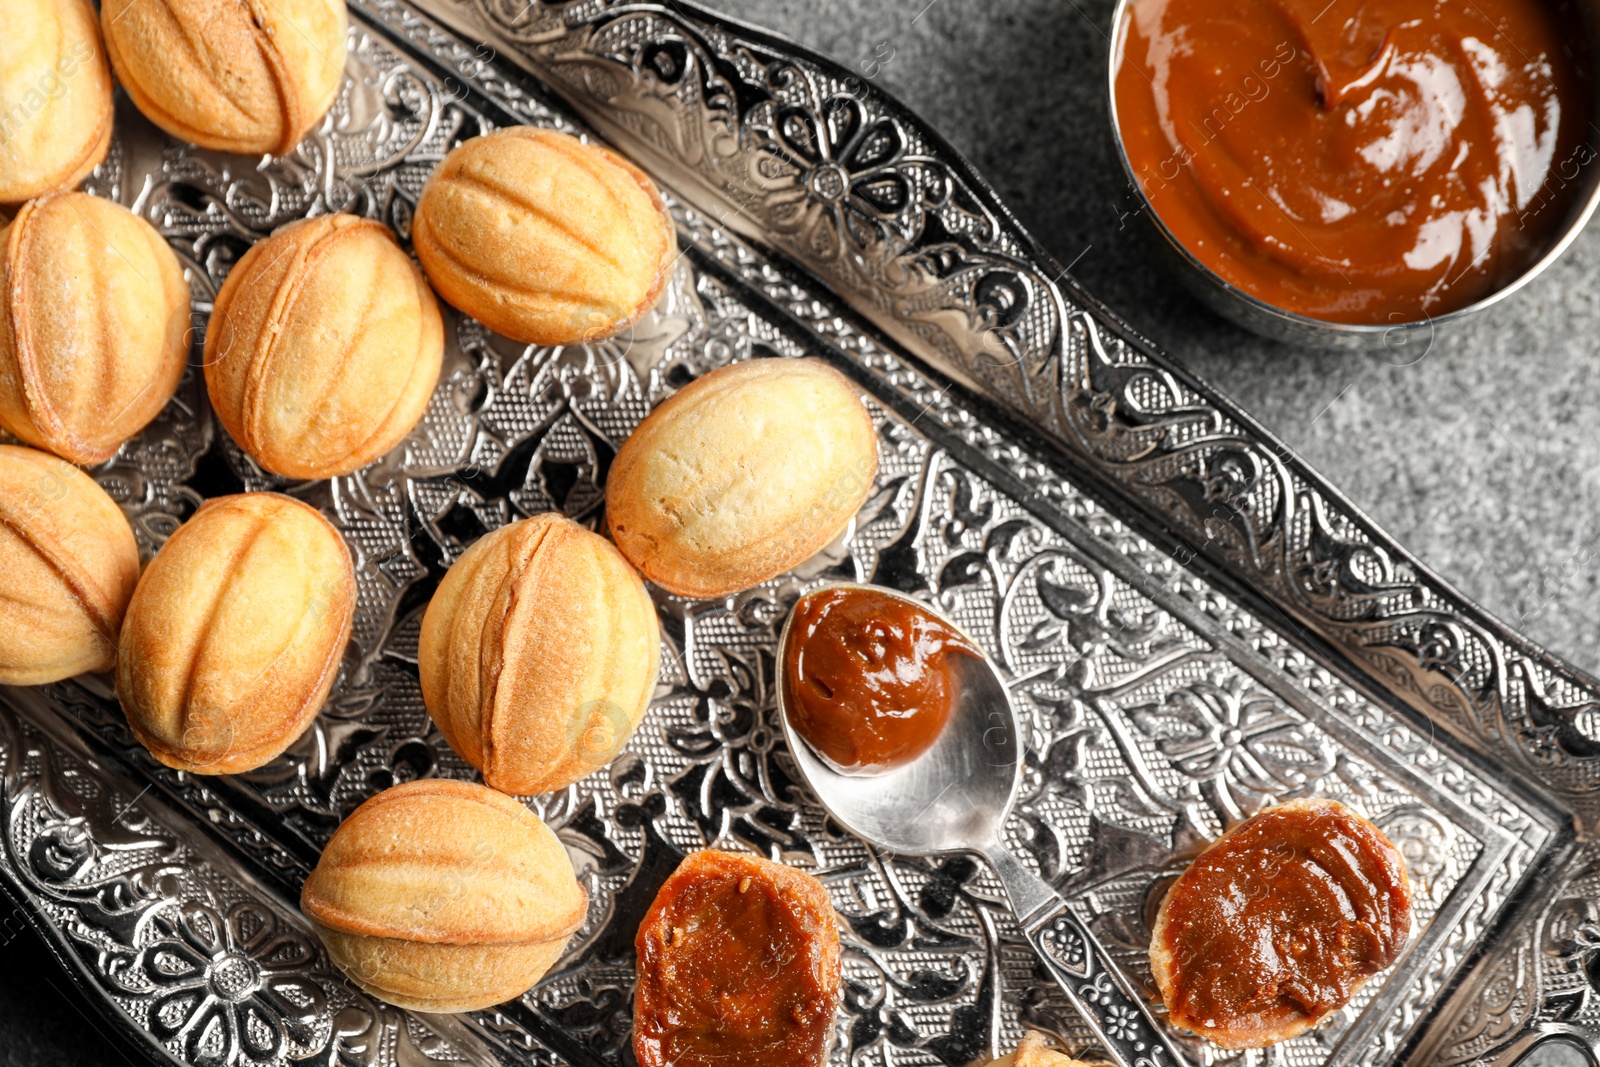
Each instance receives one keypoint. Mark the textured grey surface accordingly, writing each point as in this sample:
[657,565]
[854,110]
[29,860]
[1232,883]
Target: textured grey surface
[1481,457]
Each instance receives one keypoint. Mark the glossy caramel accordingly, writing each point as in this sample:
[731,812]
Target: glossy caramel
[868,678]
[1279,922]
[1359,161]
[738,964]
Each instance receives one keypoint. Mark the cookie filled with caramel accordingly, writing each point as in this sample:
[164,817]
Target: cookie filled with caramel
[538,654]
[235,633]
[1280,923]
[94,325]
[236,77]
[71,563]
[544,238]
[323,348]
[444,896]
[738,964]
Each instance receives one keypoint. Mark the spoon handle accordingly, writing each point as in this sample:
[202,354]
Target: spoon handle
[1080,964]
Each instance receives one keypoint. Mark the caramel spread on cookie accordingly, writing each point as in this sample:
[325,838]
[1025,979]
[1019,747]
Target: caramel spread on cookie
[1280,922]
[738,964]
[1360,161]
[869,680]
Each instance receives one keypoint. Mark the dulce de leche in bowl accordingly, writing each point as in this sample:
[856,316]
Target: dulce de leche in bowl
[1363,162]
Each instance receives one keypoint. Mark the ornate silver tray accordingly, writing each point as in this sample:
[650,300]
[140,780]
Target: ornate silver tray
[1193,623]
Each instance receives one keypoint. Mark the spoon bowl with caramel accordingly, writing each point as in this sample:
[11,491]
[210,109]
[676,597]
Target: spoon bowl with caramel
[957,769]
[905,731]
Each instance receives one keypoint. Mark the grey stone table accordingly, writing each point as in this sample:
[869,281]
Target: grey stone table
[1483,456]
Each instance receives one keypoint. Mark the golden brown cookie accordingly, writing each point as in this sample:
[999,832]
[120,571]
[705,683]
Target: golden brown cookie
[94,325]
[70,563]
[538,654]
[1280,923]
[55,97]
[741,475]
[324,347]
[235,75]
[235,633]
[444,896]
[543,238]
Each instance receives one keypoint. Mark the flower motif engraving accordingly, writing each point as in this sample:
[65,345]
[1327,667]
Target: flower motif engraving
[732,784]
[232,988]
[848,181]
[1238,747]
[1062,942]
[1121,1023]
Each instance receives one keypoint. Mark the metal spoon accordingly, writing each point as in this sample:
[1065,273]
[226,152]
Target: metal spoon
[955,798]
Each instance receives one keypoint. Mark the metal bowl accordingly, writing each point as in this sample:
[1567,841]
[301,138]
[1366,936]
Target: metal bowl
[1402,342]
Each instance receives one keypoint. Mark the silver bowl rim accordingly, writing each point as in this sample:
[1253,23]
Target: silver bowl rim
[1306,324]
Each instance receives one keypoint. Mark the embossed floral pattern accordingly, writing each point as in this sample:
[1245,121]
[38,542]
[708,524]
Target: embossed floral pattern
[231,988]
[1238,747]
[851,180]
[1121,1023]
